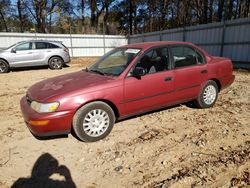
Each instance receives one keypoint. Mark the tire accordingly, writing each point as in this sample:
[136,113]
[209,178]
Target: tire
[208,95]
[93,122]
[4,66]
[56,63]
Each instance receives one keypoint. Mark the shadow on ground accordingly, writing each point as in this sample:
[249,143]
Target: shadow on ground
[19,69]
[46,166]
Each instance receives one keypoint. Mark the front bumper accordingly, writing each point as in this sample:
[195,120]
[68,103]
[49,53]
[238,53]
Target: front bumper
[58,123]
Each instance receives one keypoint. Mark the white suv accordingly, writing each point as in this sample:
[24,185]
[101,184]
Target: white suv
[34,53]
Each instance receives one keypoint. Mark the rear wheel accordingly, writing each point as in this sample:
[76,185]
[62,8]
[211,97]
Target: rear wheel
[94,121]
[4,66]
[208,95]
[55,63]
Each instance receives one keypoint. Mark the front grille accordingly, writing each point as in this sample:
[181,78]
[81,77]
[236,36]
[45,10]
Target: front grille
[29,100]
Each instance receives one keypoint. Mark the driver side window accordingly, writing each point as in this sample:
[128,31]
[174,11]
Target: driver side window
[156,60]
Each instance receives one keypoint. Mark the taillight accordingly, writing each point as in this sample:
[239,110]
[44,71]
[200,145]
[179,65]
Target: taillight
[66,50]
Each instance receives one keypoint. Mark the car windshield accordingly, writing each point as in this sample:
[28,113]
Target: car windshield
[12,45]
[115,62]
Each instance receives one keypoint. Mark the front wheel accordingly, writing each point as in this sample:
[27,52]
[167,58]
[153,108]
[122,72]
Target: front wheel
[208,95]
[94,121]
[55,63]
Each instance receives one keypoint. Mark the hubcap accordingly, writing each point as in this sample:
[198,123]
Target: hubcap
[2,66]
[56,63]
[96,122]
[209,94]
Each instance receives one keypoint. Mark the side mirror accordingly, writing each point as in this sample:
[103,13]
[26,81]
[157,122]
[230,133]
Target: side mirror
[138,72]
[13,50]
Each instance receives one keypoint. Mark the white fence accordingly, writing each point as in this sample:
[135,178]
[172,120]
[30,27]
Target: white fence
[229,39]
[79,45]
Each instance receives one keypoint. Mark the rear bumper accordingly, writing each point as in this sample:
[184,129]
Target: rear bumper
[227,81]
[58,123]
[67,59]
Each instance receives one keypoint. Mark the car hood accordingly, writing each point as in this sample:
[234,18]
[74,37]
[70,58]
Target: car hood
[68,85]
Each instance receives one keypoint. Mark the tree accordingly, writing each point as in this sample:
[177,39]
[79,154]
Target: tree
[22,16]
[115,16]
[4,8]
[106,16]
[220,9]
[42,12]
[82,8]
[211,11]
[229,10]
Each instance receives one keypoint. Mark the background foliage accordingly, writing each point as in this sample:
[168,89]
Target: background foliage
[114,16]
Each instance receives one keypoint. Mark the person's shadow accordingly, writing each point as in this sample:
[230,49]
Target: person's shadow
[45,166]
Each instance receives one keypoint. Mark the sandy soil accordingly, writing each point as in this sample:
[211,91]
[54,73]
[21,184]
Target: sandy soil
[175,147]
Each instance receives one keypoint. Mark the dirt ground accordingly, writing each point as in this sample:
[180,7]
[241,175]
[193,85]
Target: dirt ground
[176,147]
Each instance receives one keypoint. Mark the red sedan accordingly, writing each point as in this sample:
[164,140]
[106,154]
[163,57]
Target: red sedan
[127,81]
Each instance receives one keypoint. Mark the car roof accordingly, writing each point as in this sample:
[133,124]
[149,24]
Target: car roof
[146,45]
[40,40]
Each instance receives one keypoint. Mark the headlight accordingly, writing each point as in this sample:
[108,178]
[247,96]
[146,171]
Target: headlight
[46,107]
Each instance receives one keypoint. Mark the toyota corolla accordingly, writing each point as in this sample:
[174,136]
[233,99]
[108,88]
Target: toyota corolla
[127,81]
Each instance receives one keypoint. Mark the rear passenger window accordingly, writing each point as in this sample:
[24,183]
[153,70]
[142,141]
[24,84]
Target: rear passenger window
[183,56]
[50,45]
[41,45]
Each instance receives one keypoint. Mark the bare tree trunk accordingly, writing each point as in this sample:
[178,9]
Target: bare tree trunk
[130,17]
[239,9]
[50,15]
[220,9]
[247,10]
[105,19]
[4,21]
[93,13]
[205,9]
[211,12]
[186,16]
[20,16]
[229,10]
[177,13]
[172,17]
[163,14]
[135,19]
[83,18]
[39,7]
[50,23]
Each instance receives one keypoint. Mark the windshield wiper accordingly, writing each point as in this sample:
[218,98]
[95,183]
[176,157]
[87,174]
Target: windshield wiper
[97,71]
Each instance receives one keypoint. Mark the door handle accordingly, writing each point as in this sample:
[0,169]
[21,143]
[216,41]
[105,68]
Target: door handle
[168,79]
[48,51]
[204,71]
[30,52]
